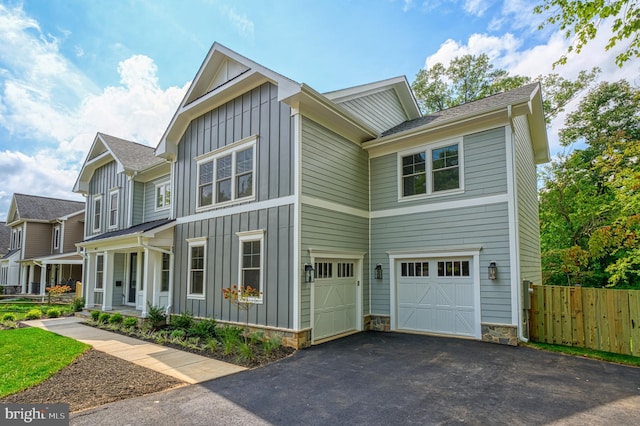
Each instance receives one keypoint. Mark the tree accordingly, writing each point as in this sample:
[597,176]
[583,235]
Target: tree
[469,77]
[581,19]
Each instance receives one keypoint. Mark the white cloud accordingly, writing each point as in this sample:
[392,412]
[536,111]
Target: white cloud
[243,25]
[476,7]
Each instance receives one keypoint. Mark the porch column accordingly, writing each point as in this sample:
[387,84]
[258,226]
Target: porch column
[149,280]
[43,278]
[31,269]
[107,297]
[89,283]
[24,278]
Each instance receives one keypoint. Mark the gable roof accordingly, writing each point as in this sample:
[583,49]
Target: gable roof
[131,158]
[5,238]
[44,209]
[523,100]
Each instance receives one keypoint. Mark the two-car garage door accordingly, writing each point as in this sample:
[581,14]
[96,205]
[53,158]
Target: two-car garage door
[436,296]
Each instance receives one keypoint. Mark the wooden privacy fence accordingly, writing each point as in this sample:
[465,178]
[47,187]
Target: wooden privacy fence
[596,318]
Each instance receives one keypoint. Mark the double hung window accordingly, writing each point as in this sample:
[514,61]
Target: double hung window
[197,268]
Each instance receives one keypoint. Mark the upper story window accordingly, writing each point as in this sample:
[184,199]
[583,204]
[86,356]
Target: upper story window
[227,175]
[16,239]
[431,170]
[56,237]
[97,213]
[163,195]
[113,208]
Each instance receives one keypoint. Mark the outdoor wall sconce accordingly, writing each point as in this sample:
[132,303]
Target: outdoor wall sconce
[493,270]
[379,271]
[308,272]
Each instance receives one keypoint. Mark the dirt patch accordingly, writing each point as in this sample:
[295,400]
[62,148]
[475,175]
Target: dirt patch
[93,379]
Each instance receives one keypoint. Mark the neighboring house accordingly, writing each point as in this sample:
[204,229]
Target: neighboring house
[5,236]
[128,233]
[43,232]
[347,210]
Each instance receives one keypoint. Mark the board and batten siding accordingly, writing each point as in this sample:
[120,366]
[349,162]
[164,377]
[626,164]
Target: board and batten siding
[333,169]
[150,212]
[257,112]
[381,110]
[104,179]
[485,172]
[527,200]
[485,226]
[222,266]
[324,229]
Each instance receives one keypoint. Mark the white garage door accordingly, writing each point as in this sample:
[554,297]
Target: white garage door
[334,298]
[436,296]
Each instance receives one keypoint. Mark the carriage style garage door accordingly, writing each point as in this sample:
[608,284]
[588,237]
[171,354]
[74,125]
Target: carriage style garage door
[334,298]
[436,295]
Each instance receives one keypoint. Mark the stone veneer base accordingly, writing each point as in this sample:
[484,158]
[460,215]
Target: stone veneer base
[500,333]
[289,338]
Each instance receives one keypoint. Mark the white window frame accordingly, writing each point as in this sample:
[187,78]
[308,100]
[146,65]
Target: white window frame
[197,242]
[233,149]
[165,272]
[111,209]
[96,213]
[99,284]
[428,149]
[247,237]
[163,204]
[16,238]
[56,237]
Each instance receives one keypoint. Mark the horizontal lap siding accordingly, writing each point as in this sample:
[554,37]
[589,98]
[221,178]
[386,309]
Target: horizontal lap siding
[485,172]
[37,240]
[381,110]
[222,266]
[485,226]
[103,180]
[528,215]
[150,212]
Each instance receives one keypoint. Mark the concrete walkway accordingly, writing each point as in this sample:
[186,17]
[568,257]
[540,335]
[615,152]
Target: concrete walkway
[185,366]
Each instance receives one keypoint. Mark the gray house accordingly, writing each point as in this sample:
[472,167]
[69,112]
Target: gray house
[347,210]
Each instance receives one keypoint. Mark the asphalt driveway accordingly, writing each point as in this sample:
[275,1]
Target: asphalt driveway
[392,379]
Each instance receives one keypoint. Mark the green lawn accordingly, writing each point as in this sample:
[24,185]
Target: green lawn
[29,356]
[20,309]
[588,353]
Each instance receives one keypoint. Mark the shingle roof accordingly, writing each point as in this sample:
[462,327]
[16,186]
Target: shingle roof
[136,229]
[44,208]
[132,155]
[500,100]
[5,238]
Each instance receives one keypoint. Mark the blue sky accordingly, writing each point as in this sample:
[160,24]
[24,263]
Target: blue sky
[71,68]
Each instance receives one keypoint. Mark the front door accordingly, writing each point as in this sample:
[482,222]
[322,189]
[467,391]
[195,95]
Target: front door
[133,276]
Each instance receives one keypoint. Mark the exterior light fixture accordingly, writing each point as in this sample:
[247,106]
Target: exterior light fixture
[493,270]
[379,271]
[308,272]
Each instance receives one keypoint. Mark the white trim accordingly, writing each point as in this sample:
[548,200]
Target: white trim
[165,205]
[336,207]
[232,150]
[96,198]
[112,192]
[95,274]
[240,208]
[297,232]
[433,253]
[56,238]
[447,205]
[251,236]
[514,247]
[428,149]
[197,242]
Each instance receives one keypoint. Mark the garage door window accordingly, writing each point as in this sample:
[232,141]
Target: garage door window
[453,268]
[345,270]
[414,269]
[324,270]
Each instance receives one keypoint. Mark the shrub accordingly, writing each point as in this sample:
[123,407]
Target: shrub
[184,320]
[95,315]
[53,313]
[103,318]
[178,334]
[245,351]
[33,314]
[9,317]
[116,318]
[155,316]
[78,304]
[270,344]
[230,338]
[212,344]
[204,328]
[130,322]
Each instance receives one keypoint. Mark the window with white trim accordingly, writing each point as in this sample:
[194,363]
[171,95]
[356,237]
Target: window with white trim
[99,272]
[113,208]
[56,237]
[164,272]
[16,239]
[453,268]
[163,195]
[97,212]
[414,269]
[431,170]
[197,268]
[227,175]
[251,261]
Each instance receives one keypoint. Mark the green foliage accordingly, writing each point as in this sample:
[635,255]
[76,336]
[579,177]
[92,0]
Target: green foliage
[78,304]
[156,317]
[212,344]
[95,315]
[130,322]
[184,320]
[271,344]
[245,351]
[103,318]
[178,333]
[116,318]
[31,355]
[53,313]
[9,316]
[203,328]
[33,314]
[230,338]
[579,20]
